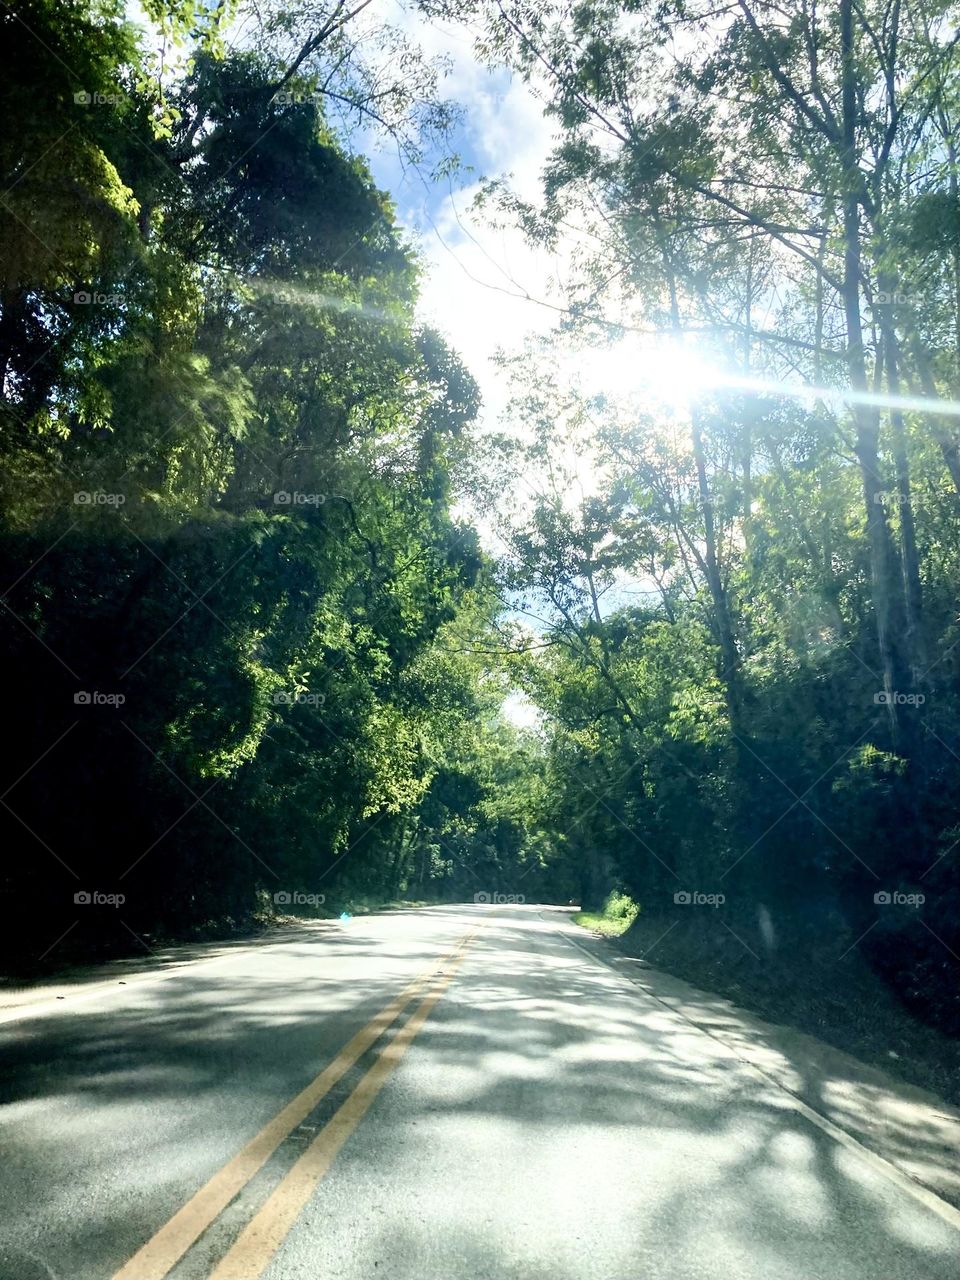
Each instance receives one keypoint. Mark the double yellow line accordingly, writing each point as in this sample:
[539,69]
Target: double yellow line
[266,1231]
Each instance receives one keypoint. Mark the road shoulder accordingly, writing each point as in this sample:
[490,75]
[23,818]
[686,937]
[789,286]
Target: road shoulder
[78,983]
[915,1131]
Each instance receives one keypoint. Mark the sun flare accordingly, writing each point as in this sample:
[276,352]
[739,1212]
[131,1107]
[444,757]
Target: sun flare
[667,371]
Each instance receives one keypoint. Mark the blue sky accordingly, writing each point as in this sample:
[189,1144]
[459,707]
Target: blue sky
[502,134]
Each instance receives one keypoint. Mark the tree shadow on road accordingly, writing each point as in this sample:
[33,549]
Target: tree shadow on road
[553,1119]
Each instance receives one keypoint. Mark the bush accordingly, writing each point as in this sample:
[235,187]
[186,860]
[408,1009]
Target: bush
[619,906]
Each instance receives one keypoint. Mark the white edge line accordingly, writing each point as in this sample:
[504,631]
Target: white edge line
[942,1208]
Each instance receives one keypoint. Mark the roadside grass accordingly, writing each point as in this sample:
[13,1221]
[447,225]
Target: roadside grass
[618,914]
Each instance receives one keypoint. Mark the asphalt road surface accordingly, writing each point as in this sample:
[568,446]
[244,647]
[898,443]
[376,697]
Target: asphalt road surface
[458,1093]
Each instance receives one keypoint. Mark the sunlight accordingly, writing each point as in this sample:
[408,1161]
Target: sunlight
[519,710]
[838,396]
[668,370]
[481,550]
[673,372]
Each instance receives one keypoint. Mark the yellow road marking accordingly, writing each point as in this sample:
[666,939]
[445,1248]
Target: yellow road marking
[172,1241]
[266,1231]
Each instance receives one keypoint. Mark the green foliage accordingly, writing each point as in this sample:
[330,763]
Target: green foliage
[233,460]
[619,906]
[228,451]
[776,191]
[618,913]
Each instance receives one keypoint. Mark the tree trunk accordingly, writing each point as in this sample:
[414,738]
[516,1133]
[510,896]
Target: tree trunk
[943,431]
[729,654]
[909,559]
[884,568]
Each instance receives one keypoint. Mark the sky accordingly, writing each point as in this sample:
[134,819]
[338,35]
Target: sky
[474,273]
[484,288]
[471,269]
[480,283]
[477,276]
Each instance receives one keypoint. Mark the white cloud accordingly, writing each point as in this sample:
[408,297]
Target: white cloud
[485,288]
[474,291]
[475,275]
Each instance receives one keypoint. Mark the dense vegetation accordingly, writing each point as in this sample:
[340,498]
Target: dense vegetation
[232,459]
[233,583]
[775,726]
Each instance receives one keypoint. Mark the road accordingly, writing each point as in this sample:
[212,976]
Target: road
[450,1094]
